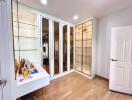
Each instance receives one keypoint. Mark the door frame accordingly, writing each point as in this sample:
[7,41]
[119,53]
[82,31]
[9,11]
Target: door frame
[6,49]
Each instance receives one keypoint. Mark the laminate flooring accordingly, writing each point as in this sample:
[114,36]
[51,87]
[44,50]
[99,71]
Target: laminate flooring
[78,87]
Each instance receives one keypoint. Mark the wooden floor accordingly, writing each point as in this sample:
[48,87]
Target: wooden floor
[77,87]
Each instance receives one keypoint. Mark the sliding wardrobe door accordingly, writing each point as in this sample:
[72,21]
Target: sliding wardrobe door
[45,43]
[78,48]
[64,48]
[71,47]
[87,47]
[56,48]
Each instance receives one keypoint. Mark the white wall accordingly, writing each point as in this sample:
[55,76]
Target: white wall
[104,25]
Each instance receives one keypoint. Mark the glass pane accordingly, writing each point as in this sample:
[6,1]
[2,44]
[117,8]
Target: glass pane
[28,43]
[78,51]
[32,56]
[17,55]
[78,43]
[87,47]
[15,28]
[87,69]
[27,30]
[71,47]
[16,43]
[78,62]
[45,39]
[14,9]
[26,16]
[65,48]
[78,48]
[56,47]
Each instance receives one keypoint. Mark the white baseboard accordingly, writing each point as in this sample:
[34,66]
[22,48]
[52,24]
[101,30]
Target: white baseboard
[63,74]
[84,74]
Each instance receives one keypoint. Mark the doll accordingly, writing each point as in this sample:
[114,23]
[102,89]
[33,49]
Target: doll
[33,70]
[25,71]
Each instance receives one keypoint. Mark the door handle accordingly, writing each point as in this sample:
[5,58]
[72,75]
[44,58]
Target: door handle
[114,60]
[3,82]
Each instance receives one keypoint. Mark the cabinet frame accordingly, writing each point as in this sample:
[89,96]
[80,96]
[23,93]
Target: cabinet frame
[93,52]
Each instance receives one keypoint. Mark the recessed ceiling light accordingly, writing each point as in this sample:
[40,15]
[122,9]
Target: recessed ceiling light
[75,17]
[44,2]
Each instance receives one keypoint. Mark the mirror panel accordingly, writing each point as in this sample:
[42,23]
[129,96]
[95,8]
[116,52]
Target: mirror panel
[56,48]
[45,43]
[71,47]
[64,48]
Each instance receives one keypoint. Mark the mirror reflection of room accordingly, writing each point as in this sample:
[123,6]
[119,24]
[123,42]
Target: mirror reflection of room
[71,47]
[45,45]
[56,48]
[64,48]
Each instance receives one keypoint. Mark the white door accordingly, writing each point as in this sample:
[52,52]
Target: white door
[121,60]
[1,89]
[5,55]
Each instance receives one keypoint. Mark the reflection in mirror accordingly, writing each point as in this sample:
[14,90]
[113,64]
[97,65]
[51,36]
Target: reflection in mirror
[45,44]
[64,48]
[71,47]
[56,48]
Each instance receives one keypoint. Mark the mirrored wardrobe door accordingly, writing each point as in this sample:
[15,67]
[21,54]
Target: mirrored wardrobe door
[71,46]
[56,48]
[64,48]
[45,44]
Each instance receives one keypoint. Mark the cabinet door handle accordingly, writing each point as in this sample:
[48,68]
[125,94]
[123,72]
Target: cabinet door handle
[3,82]
[114,60]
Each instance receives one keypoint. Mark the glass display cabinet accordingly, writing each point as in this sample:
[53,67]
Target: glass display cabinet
[78,48]
[27,50]
[26,42]
[42,45]
[84,47]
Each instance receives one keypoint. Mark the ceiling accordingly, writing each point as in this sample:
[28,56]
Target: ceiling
[66,9]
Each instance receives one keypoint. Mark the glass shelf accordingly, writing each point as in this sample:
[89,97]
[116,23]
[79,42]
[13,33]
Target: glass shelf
[31,43]
[78,40]
[25,23]
[25,37]
[24,30]
[28,50]
[87,39]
